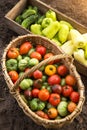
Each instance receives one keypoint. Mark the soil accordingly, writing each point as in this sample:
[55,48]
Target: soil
[11,115]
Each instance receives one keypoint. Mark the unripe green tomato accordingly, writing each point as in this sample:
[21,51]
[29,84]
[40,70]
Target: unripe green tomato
[41,105]
[30,51]
[33,62]
[19,58]
[33,105]
[25,84]
[11,64]
[22,64]
[62,108]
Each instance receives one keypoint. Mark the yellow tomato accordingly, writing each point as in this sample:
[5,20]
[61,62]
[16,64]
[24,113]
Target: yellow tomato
[50,70]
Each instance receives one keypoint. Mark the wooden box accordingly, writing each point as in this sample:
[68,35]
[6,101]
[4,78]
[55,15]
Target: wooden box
[21,5]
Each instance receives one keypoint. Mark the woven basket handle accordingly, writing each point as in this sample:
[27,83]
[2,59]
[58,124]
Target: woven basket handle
[44,62]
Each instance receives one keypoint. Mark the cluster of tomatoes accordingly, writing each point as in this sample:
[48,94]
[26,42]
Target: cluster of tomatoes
[51,91]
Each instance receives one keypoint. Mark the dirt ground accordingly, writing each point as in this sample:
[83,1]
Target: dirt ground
[11,115]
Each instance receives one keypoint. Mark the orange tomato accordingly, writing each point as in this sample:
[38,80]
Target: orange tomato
[47,55]
[25,47]
[13,53]
[36,55]
[13,75]
[44,94]
[52,113]
[70,80]
[71,107]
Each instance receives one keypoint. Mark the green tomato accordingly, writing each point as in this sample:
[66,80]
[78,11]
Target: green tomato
[30,51]
[30,81]
[11,64]
[41,105]
[33,105]
[33,62]
[25,84]
[19,58]
[27,58]
[62,108]
[22,64]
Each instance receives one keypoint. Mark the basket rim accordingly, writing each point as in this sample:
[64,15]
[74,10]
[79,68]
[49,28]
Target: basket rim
[68,118]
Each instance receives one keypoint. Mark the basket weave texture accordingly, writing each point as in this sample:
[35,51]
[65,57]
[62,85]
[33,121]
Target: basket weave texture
[67,60]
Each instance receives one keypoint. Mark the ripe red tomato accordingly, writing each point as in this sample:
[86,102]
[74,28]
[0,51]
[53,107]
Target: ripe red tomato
[74,96]
[13,53]
[25,47]
[62,70]
[42,114]
[70,80]
[54,79]
[35,92]
[54,99]
[13,75]
[41,49]
[67,90]
[36,55]
[43,94]
[47,55]
[37,74]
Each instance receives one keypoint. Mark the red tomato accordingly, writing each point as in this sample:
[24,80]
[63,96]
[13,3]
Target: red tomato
[54,99]
[36,55]
[35,92]
[62,70]
[42,114]
[43,94]
[47,55]
[70,80]
[37,74]
[13,75]
[67,90]
[25,47]
[41,49]
[74,96]
[54,79]
[13,53]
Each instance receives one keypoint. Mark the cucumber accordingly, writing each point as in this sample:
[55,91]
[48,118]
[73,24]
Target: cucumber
[28,21]
[28,13]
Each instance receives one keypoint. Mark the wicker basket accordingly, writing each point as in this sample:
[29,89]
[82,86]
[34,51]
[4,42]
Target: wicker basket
[67,60]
